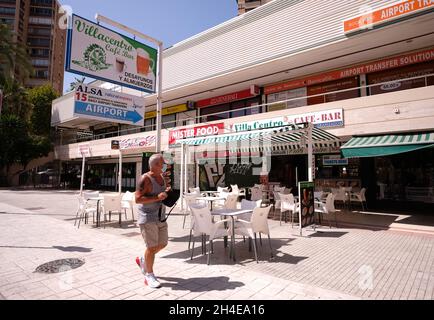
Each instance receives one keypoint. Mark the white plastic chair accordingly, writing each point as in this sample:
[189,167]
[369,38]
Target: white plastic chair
[128,201]
[83,211]
[190,199]
[231,202]
[195,190]
[287,203]
[328,208]
[276,203]
[340,195]
[256,194]
[360,198]
[112,204]
[204,225]
[248,205]
[238,191]
[257,224]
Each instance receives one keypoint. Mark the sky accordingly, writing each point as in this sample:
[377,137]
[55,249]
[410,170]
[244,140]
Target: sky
[170,21]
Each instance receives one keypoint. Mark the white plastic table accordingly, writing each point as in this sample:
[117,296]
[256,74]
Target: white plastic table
[210,199]
[231,213]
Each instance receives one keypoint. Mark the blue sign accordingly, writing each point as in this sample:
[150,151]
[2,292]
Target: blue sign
[335,162]
[100,111]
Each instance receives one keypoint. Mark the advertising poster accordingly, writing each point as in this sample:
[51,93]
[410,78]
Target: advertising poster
[307,203]
[106,105]
[101,53]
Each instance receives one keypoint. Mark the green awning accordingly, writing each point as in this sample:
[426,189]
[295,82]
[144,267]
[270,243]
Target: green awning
[275,139]
[386,145]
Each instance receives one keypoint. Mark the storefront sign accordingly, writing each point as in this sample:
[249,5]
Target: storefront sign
[167,111]
[227,98]
[137,143]
[115,144]
[380,65]
[335,162]
[105,105]
[101,53]
[84,150]
[212,129]
[307,203]
[389,13]
[328,118]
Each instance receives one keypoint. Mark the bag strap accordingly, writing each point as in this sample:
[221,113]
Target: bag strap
[167,215]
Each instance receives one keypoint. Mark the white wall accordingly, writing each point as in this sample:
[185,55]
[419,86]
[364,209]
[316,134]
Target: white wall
[280,28]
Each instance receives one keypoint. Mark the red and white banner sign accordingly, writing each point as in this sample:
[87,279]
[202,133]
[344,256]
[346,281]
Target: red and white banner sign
[211,129]
[386,14]
[227,98]
[137,143]
[379,65]
[84,150]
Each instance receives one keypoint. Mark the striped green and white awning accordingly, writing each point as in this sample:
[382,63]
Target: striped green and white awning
[266,140]
[384,145]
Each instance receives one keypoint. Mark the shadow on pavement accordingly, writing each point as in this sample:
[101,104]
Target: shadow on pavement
[328,234]
[204,283]
[220,256]
[61,248]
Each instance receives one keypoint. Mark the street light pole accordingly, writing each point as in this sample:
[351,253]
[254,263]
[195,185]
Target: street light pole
[159,89]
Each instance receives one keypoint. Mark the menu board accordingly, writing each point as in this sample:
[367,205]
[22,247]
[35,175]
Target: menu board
[307,203]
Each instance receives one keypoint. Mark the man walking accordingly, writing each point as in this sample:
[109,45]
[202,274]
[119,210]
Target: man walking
[151,191]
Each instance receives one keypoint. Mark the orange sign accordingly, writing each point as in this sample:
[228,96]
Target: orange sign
[386,14]
[379,65]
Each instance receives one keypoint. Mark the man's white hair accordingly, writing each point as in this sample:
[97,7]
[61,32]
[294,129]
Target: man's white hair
[154,159]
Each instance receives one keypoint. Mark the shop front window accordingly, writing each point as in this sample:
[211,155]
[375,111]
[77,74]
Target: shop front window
[414,71]
[331,171]
[322,95]
[215,109]
[406,177]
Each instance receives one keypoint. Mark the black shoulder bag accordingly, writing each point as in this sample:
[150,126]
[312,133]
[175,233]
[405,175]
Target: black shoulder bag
[170,201]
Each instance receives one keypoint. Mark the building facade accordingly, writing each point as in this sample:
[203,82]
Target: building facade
[248,5]
[293,62]
[35,24]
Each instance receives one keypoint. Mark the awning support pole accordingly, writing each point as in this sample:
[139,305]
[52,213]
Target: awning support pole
[181,176]
[186,152]
[310,152]
[82,174]
[120,172]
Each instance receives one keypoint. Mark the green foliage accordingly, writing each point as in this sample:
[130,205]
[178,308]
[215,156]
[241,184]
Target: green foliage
[26,113]
[41,99]
[16,99]
[14,58]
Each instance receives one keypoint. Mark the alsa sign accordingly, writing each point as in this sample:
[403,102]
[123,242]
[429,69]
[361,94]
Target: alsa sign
[321,119]
[207,130]
[105,105]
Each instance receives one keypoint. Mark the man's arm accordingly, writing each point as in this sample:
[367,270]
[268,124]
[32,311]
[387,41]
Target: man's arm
[144,187]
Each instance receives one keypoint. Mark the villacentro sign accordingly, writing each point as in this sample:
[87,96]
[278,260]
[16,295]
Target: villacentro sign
[383,15]
[104,54]
[320,119]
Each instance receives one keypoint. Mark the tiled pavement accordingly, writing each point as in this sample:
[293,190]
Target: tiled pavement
[330,264]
